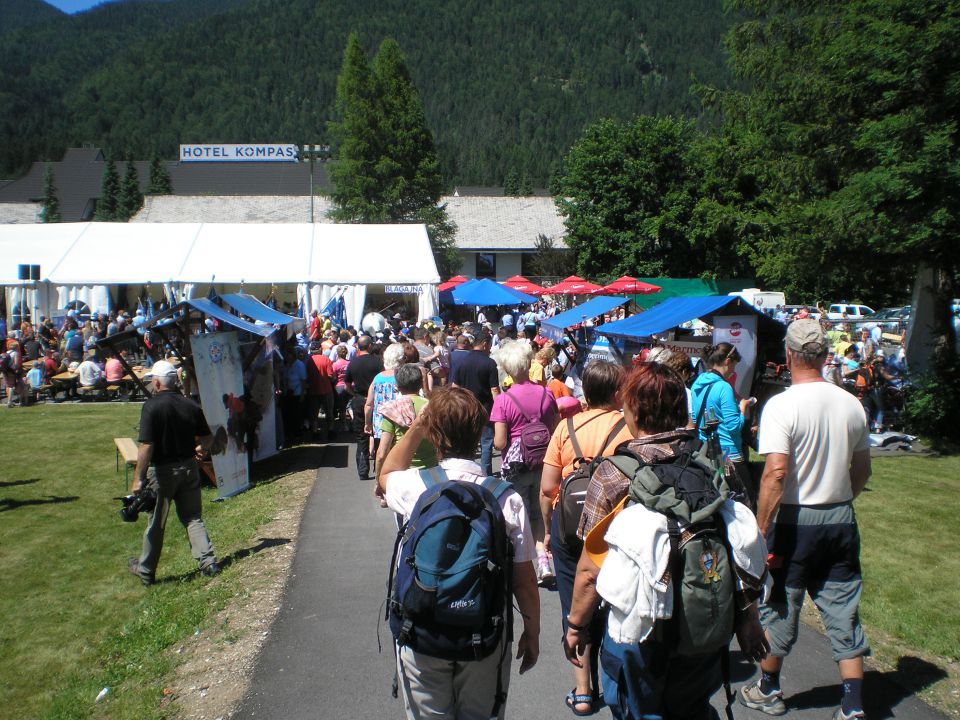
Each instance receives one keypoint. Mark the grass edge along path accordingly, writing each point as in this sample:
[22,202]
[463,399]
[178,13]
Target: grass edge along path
[76,620]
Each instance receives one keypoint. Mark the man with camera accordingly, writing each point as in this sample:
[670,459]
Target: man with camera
[170,427]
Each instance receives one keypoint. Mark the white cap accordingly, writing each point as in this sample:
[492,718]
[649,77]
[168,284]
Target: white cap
[161,368]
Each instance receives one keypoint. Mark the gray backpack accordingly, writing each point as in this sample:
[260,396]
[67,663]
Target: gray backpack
[689,491]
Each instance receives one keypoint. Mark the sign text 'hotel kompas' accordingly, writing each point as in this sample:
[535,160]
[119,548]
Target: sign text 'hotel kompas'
[264,152]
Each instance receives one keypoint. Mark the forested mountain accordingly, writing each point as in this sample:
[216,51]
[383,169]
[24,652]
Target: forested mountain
[16,14]
[506,85]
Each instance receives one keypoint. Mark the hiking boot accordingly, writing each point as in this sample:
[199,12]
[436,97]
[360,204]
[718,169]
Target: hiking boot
[211,570]
[753,698]
[133,565]
[841,715]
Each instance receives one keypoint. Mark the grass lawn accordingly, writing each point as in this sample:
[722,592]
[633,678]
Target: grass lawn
[74,620]
[909,522]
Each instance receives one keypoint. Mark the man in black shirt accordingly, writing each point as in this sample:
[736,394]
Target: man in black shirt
[360,373]
[170,427]
[477,372]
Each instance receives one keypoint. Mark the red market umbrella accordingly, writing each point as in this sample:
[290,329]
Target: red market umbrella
[452,283]
[519,282]
[627,285]
[573,285]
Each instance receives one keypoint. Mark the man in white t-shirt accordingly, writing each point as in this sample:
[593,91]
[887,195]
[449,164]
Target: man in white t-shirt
[817,447]
[432,687]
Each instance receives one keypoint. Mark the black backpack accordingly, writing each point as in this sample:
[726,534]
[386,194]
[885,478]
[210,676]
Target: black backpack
[573,488]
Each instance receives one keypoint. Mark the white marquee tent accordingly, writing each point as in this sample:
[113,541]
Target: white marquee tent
[86,261]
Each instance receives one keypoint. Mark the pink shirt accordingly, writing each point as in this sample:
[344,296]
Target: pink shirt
[114,370]
[536,401]
[340,371]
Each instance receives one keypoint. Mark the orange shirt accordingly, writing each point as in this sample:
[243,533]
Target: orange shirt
[592,428]
[558,389]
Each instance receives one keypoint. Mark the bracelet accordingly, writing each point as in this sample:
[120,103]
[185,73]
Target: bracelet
[574,626]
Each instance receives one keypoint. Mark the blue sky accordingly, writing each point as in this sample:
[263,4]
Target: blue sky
[74,6]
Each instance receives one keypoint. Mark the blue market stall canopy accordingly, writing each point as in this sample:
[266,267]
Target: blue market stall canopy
[485,292]
[676,311]
[251,307]
[211,309]
[554,328]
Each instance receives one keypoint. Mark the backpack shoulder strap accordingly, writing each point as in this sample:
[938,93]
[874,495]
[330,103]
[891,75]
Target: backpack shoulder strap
[703,405]
[496,486]
[571,431]
[621,423]
[516,404]
[433,476]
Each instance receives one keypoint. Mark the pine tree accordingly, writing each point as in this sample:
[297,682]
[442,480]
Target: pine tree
[160,183]
[525,187]
[131,199]
[50,212]
[109,192]
[511,184]
[386,167]
[356,136]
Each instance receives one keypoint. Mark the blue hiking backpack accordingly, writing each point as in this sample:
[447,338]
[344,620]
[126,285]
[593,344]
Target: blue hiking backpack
[449,596]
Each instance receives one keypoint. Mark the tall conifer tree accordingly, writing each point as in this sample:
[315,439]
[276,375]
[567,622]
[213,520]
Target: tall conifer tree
[385,166]
[159,183]
[131,199]
[109,193]
[50,207]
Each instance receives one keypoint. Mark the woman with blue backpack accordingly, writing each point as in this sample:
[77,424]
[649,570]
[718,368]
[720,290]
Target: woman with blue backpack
[462,557]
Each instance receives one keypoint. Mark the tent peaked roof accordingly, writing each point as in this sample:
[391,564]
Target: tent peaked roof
[486,292]
[573,285]
[519,282]
[627,285]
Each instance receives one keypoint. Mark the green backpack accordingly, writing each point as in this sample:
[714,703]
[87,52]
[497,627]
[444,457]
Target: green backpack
[689,491]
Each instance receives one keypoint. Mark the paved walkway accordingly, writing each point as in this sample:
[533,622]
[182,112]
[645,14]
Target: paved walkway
[322,659]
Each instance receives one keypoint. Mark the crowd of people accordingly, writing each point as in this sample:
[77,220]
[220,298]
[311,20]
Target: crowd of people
[429,404]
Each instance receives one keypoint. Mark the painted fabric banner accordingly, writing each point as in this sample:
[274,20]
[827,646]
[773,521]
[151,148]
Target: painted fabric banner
[217,363]
[260,380]
[741,332]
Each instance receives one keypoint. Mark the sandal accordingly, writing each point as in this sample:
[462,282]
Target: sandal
[573,700]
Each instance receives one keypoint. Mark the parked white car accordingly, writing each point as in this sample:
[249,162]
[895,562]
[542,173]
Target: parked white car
[844,311]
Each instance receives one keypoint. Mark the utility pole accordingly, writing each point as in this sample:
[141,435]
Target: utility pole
[309,152]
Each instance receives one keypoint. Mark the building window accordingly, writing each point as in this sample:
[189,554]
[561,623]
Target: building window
[486,265]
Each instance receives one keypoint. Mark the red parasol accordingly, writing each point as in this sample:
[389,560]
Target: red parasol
[573,285]
[452,283]
[627,285]
[519,282]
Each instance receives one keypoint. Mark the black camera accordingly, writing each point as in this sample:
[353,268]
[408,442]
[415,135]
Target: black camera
[144,500]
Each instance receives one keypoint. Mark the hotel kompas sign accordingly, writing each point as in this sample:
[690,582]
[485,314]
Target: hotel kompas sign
[264,152]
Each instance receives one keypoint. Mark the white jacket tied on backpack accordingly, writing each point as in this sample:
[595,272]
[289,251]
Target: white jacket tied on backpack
[632,580]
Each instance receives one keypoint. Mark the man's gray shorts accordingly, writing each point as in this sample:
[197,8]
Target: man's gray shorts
[819,548]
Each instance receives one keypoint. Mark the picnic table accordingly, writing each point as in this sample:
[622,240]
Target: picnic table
[65,382]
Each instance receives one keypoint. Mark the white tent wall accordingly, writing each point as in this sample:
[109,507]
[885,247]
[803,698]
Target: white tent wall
[428,302]
[87,261]
[40,299]
[95,297]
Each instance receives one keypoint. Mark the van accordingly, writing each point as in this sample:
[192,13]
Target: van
[764,301]
[844,311]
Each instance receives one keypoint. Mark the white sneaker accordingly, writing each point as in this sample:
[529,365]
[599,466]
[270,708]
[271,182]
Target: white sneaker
[753,698]
[841,715]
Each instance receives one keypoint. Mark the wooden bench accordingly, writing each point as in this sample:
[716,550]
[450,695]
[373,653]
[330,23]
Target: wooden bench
[127,447]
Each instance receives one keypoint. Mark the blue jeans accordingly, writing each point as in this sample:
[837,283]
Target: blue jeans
[486,450]
[644,682]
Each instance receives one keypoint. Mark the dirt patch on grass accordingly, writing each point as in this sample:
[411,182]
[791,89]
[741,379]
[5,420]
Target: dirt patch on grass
[216,664]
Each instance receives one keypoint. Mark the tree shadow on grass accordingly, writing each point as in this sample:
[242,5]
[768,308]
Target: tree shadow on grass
[15,483]
[9,504]
[882,691]
[228,560]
